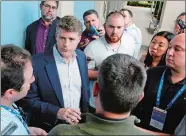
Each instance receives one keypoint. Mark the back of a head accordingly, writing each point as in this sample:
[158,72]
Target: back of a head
[129,11]
[181,14]
[70,24]
[13,60]
[90,12]
[121,80]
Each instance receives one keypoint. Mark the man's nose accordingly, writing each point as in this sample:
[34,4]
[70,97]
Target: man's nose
[170,52]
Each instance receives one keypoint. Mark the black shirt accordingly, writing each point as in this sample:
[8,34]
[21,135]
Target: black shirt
[144,109]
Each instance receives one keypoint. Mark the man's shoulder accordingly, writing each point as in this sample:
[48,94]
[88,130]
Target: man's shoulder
[35,23]
[156,71]
[134,29]
[64,129]
[40,57]
[93,45]
[79,52]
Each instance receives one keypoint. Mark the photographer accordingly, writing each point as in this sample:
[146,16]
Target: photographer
[93,30]
[180,26]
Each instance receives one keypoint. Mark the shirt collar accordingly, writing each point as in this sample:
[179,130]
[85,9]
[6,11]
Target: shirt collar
[182,82]
[41,22]
[59,58]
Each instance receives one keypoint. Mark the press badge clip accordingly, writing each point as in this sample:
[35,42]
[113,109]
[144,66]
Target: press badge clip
[158,118]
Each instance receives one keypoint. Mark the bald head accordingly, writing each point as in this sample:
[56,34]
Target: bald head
[175,58]
[114,15]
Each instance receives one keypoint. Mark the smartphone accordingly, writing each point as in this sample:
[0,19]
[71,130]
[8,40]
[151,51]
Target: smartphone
[93,31]
[181,24]
[9,129]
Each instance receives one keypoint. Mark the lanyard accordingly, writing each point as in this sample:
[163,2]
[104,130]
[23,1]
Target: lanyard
[18,115]
[160,89]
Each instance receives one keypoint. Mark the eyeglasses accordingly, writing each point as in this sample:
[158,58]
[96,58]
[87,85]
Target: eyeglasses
[49,7]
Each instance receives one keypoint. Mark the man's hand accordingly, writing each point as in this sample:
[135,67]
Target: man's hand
[70,115]
[101,30]
[85,43]
[37,131]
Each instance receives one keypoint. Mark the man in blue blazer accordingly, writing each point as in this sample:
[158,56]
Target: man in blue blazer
[40,35]
[60,93]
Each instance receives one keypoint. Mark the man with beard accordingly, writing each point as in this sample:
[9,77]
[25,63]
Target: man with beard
[105,46]
[40,35]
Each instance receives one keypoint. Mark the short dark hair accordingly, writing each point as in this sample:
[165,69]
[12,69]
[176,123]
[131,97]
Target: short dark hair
[13,60]
[129,11]
[90,12]
[113,13]
[57,2]
[70,24]
[121,80]
[181,14]
[148,60]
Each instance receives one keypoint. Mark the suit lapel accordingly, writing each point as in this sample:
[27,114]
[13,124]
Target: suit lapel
[52,72]
[81,66]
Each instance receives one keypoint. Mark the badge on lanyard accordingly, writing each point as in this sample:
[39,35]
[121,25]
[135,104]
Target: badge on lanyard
[158,118]
[158,115]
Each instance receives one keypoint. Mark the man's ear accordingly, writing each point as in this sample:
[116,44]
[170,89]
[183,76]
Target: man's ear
[104,25]
[95,89]
[40,6]
[141,96]
[10,93]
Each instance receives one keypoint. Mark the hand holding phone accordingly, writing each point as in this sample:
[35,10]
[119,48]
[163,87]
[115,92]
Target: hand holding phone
[181,24]
[93,31]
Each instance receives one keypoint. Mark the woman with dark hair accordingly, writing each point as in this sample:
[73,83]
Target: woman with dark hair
[157,50]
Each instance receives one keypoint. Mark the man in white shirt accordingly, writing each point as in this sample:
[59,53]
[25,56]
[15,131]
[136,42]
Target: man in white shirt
[132,30]
[109,44]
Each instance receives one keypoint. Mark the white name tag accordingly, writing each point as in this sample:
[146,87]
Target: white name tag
[158,118]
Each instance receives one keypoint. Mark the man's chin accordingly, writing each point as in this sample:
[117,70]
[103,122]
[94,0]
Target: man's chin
[114,40]
[48,19]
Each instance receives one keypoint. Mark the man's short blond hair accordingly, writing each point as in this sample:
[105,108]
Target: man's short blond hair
[70,24]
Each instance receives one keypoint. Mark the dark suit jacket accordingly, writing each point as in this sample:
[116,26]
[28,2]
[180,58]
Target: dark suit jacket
[45,97]
[31,33]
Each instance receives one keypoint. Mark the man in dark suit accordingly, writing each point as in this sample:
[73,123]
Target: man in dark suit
[60,92]
[40,35]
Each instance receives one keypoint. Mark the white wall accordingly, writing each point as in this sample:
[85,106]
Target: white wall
[171,9]
[65,8]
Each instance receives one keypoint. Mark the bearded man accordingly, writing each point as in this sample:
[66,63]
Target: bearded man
[109,44]
[40,35]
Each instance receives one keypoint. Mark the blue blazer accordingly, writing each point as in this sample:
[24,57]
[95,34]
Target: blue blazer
[45,97]
[31,33]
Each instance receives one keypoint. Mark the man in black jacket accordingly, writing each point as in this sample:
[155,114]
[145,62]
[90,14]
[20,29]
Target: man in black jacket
[40,35]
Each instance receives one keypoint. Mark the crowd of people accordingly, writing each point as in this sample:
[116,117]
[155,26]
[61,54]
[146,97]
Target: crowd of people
[73,82]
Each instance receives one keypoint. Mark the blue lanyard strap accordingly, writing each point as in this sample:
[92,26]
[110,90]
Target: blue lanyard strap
[160,90]
[18,115]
